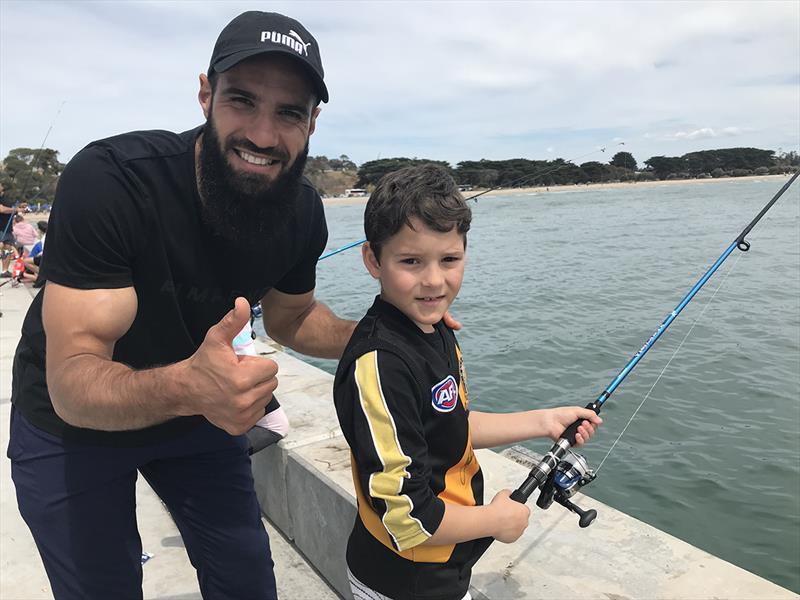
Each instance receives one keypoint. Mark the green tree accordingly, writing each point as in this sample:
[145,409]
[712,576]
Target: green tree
[596,171]
[31,174]
[665,165]
[371,171]
[624,160]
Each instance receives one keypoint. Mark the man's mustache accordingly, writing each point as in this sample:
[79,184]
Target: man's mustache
[271,151]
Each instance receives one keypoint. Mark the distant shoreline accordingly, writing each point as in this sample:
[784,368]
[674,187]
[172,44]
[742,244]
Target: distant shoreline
[345,201]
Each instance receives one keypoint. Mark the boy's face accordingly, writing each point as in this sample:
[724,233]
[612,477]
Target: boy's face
[420,271]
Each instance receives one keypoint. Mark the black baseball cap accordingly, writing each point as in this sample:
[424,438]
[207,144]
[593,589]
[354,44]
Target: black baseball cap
[255,32]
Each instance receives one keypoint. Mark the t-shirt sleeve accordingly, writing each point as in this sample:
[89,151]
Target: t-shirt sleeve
[95,228]
[390,450]
[302,277]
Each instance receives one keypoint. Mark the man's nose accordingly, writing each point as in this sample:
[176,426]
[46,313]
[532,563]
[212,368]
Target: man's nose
[263,131]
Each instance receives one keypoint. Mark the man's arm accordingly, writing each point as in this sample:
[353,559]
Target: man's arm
[8,210]
[305,325]
[88,389]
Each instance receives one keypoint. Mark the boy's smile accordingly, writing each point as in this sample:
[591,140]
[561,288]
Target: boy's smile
[420,271]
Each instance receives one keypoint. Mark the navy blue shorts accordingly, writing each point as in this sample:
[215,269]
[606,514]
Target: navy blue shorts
[79,502]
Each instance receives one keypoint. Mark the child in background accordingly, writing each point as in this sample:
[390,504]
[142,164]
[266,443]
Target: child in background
[274,425]
[401,398]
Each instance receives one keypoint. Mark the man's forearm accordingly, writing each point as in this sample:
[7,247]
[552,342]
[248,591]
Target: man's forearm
[96,393]
[317,332]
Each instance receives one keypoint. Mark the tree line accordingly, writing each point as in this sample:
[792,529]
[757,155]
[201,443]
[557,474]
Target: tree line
[521,172]
[31,175]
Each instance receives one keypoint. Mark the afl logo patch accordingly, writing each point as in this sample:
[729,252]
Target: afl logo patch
[444,394]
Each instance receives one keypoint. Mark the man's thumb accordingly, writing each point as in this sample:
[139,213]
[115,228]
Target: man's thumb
[233,322]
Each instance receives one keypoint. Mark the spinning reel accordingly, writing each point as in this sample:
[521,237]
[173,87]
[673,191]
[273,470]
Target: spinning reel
[569,476]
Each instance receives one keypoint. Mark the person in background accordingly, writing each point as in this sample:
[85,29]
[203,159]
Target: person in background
[8,208]
[25,233]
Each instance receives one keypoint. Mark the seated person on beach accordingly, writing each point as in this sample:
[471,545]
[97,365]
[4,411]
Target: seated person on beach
[274,425]
[401,398]
[24,232]
[34,259]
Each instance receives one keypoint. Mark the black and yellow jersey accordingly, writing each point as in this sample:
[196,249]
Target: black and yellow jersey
[401,398]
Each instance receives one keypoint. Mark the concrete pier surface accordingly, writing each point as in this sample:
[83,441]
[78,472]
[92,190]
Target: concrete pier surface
[305,489]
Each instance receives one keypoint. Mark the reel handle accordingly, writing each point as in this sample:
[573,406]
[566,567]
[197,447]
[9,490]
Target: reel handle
[572,430]
[587,517]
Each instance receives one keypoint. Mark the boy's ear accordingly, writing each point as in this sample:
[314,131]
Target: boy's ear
[370,261]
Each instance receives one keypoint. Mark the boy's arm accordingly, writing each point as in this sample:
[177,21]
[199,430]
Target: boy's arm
[503,519]
[489,430]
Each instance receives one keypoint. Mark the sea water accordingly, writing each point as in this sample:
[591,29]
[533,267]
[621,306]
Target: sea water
[563,287]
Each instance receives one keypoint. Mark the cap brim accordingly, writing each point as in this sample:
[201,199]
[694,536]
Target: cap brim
[233,59]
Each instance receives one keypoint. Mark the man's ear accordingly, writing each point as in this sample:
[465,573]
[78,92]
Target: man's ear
[204,95]
[370,260]
[313,125]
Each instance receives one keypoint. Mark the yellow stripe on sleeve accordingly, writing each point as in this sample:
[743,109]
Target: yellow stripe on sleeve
[405,530]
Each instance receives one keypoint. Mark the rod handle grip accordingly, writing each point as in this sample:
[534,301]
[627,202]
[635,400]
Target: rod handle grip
[572,430]
[523,492]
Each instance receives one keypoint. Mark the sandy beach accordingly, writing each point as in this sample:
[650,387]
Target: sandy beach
[345,201]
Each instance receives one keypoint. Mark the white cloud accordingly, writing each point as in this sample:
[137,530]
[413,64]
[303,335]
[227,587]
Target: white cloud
[702,133]
[450,80]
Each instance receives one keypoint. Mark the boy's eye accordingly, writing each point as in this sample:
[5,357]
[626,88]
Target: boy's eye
[409,261]
[451,258]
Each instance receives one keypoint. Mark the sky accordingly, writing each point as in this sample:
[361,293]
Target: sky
[446,81]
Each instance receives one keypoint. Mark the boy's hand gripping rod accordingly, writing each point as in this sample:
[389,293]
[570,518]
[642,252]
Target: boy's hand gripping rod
[574,474]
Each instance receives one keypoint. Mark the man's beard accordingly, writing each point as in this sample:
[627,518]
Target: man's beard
[245,208]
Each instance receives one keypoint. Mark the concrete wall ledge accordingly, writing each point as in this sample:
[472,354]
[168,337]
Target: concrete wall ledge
[305,487]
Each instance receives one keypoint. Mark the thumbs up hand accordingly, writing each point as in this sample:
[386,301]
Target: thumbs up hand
[230,391]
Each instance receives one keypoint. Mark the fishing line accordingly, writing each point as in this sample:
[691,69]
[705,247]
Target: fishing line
[666,366]
[688,333]
[561,473]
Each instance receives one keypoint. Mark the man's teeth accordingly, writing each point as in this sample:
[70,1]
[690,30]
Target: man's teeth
[255,160]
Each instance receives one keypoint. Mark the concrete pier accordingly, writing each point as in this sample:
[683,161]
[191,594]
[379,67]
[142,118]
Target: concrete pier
[305,489]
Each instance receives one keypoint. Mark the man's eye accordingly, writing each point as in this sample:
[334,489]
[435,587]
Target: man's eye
[242,101]
[292,114]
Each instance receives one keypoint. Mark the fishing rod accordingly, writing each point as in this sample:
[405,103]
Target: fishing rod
[30,170]
[561,473]
[530,177]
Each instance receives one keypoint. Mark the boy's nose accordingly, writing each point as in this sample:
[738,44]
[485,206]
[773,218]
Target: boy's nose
[432,276]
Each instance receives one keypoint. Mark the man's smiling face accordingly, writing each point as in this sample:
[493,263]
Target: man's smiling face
[259,117]
[264,111]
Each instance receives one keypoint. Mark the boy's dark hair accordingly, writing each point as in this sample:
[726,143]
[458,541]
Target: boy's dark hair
[426,192]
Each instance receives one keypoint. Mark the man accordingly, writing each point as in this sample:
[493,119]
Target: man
[7,211]
[136,371]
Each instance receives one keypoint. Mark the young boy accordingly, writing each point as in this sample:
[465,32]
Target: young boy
[401,397]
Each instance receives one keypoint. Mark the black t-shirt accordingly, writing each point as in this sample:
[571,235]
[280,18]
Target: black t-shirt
[402,403]
[127,214]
